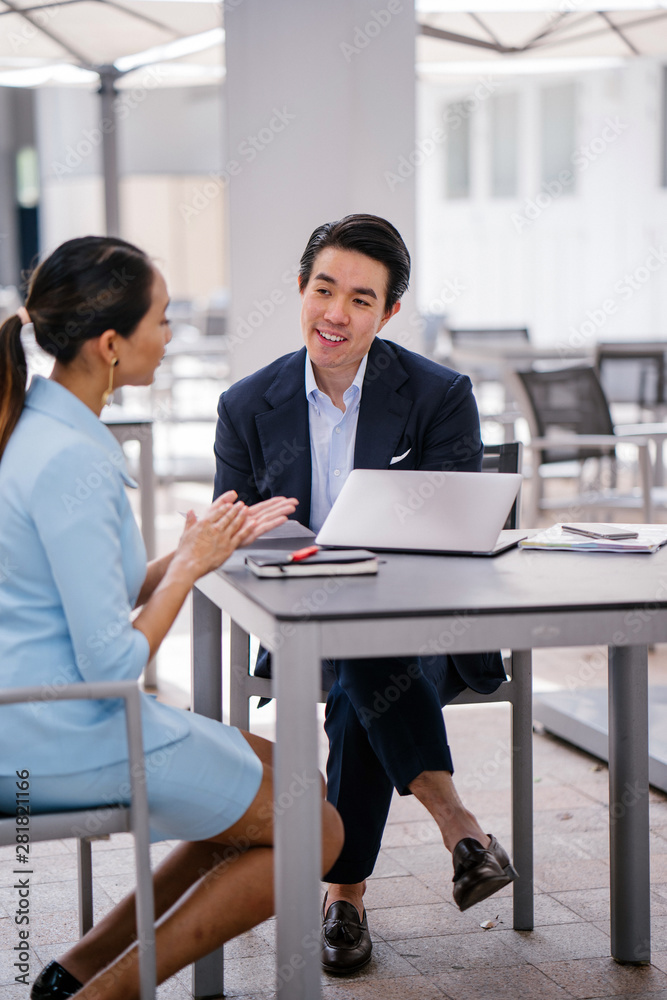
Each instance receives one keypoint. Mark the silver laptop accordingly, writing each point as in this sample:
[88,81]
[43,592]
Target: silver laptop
[461,513]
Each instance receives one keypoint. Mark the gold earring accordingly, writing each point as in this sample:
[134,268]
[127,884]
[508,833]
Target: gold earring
[108,393]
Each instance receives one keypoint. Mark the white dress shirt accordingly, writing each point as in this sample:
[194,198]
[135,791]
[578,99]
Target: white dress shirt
[332,438]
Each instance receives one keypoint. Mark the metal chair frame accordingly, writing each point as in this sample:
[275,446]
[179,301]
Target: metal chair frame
[86,824]
[552,442]
[650,361]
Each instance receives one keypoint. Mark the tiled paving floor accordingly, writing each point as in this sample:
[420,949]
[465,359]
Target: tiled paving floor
[424,948]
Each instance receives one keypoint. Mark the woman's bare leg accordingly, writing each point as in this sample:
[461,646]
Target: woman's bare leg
[184,866]
[233,897]
[213,867]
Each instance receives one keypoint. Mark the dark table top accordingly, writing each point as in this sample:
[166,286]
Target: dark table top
[409,585]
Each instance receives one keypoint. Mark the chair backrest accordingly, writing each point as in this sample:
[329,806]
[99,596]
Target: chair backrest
[568,399]
[477,337]
[632,373]
[505,458]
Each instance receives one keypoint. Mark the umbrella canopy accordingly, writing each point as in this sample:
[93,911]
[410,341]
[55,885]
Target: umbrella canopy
[93,33]
[105,42]
[572,31]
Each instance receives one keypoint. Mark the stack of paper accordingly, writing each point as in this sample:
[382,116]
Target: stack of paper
[648,537]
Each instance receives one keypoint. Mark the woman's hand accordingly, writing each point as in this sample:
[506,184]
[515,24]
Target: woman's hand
[209,540]
[204,545]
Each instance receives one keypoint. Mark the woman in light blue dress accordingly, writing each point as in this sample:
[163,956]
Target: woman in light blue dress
[72,571]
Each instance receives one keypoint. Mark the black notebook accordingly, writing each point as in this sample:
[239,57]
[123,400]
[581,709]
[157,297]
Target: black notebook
[326,562]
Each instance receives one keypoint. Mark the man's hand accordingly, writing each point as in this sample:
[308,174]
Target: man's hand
[269,514]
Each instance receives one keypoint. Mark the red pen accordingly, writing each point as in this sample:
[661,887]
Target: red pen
[303,553]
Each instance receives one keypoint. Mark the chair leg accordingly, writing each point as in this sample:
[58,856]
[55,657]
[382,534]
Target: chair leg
[85,865]
[522,788]
[239,703]
[535,494]
[646,476]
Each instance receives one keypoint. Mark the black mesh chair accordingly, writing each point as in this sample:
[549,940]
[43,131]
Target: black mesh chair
[505,458]
[634,373]
[483,353]
[569,419]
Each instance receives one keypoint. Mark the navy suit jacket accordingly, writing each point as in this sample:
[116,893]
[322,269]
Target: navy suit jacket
[410,407]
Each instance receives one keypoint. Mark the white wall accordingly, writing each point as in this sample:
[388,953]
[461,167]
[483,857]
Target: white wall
[556,272]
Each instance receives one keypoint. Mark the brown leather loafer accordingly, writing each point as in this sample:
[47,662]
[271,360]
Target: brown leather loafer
[346,942]
[54,983]
[479,871]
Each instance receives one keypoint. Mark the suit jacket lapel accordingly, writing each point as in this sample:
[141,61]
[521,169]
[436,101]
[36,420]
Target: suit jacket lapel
[383,414]
[284,435]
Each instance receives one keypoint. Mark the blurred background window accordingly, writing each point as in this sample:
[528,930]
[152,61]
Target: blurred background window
[558,131]
[504,124]
[457,150]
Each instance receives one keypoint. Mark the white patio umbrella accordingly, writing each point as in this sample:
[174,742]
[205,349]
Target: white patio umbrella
[528,29]
[83,42]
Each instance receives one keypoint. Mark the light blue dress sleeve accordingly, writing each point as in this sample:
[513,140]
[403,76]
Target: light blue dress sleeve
[97,559]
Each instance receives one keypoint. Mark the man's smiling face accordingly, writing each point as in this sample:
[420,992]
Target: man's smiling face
[343,308]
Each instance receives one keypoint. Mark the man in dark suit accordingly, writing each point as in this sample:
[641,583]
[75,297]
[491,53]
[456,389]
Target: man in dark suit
[296,428]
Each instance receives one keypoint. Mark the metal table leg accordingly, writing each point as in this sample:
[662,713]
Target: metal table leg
[208,972]
[522,788]
[628,804]
[298,800]
[147,473]
[239,705]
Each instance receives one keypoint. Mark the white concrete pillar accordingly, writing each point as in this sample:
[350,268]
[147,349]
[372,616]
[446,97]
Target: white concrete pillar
[321,114]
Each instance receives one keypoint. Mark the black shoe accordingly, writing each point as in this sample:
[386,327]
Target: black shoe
[479,871]
[346,943]
[54,983]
